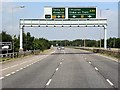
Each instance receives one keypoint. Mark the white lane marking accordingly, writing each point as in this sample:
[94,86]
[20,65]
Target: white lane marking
[60,62]
[57,69]
[49,82]
[14,65]
[116,60]
[27,65]
[21,68]
[85,58]
[96,68]
[110,82]
[89,62]
[23,63]
[24,67]
[12,72]
[5,68]
[17,70]
[98,54]
[7,75]
[1,77]
[62,59]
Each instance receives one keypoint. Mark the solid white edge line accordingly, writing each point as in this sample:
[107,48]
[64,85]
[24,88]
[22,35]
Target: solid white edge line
[57,69]
[7,75]
[1,77]
[109,82]
[96,68]
[22,63]
[116,60]
[49,82]
[5,68]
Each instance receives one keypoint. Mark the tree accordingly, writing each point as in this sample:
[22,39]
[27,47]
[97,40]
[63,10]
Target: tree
[5,37]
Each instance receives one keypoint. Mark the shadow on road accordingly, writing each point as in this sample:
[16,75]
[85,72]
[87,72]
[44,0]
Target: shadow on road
[70,53]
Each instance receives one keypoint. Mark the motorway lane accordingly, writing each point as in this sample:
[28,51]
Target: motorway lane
[107,67]
[75,72]
[59,70]
[35,76]
[16,66]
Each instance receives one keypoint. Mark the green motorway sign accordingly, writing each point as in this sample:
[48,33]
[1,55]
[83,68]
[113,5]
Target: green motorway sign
[81,12]
[58,12]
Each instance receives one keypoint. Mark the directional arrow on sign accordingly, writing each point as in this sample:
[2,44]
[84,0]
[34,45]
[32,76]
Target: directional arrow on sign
[74,16]
[58,16]
[89,16]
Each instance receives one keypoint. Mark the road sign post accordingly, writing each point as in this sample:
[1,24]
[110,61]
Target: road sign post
[105,37]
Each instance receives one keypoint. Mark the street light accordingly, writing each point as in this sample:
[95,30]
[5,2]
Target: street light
[100,17]
[13,22]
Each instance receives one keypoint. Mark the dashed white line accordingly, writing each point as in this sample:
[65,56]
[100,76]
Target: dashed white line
[109,82]
[96,68]
[21,63]
[24,67]
[21,68]
[12,72]
[89,62]
[85,58]
[7,75]
[17,70]
[1,77]
[49,82]
[57,69]
[60,62]
[27,65]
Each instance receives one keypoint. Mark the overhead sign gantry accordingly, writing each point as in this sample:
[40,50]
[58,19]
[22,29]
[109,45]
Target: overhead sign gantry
[66,17]
[70,12]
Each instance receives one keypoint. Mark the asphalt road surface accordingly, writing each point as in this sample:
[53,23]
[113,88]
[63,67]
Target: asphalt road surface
[69,68]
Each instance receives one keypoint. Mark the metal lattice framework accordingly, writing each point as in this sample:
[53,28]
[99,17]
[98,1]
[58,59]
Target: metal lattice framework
[63,23]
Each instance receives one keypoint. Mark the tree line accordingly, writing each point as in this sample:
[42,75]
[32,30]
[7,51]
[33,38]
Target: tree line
[29,42]
[111,43]
[33,43]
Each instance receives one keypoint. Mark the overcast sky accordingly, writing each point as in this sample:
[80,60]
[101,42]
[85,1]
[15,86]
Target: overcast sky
[36,10]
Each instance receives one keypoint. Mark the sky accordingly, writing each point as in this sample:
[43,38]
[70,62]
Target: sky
[10,20]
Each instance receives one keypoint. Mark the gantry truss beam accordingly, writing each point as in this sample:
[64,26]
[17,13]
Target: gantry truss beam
[63,23]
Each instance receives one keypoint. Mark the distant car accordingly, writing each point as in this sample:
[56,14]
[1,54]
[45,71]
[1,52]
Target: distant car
[62,48]
[58,48]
